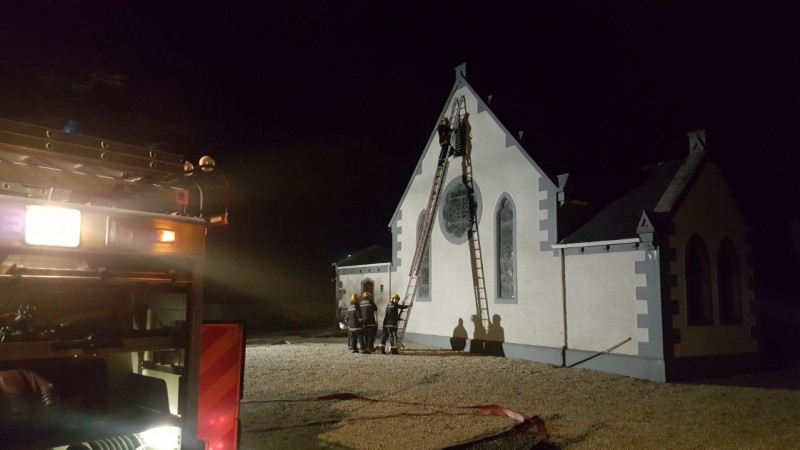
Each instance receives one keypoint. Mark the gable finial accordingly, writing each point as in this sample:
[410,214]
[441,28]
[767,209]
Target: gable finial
[461,70]
[697,141]
[645,228]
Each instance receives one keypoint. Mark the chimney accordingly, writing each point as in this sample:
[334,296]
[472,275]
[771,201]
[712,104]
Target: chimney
[697,141]
[461,70]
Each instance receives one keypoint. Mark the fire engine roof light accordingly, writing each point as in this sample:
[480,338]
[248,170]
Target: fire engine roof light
[52,226]
[207,163]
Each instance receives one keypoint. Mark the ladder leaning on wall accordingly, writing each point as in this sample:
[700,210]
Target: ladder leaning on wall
[475,251]
[456,115]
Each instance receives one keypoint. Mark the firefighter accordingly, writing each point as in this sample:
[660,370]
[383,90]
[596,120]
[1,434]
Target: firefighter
[445,132]
[390,321]
[368,317]
[354,325]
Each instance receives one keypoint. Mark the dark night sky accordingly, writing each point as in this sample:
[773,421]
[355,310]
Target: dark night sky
[319,111]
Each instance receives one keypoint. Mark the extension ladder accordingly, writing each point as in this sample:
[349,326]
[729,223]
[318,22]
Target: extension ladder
[475,252]
[456,114]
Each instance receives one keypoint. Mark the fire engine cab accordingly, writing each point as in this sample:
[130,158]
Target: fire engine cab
[101,270]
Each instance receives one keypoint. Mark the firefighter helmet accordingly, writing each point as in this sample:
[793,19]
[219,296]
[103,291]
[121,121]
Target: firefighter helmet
[396,296]
[354,297]
[367,295]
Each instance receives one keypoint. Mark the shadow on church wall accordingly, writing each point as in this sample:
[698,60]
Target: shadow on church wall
[485,342]
[495,337]
[459,340]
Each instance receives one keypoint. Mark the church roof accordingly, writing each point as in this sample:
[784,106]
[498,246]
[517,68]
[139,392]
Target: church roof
[619,218]
[370,255]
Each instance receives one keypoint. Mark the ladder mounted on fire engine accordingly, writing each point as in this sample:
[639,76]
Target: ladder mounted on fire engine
[456,115]
[60,165]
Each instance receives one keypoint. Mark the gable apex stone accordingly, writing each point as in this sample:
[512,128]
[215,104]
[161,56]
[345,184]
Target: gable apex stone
[461,71]
[697,141]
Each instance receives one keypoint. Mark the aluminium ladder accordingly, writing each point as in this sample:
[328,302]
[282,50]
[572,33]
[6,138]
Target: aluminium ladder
[475,252]
[456,114]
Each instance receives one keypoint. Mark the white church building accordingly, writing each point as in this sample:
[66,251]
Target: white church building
[656,285]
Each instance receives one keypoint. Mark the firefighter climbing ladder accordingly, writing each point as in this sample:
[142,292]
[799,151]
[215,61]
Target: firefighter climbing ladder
[456,115]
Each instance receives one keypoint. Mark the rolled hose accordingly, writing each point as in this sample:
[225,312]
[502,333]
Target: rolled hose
[128,442]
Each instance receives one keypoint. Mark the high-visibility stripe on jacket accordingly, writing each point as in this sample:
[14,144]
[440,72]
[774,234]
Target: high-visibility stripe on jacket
[368,310]
[353,317]
[392,316]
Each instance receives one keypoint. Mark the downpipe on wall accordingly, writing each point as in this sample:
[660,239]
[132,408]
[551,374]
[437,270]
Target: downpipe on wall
[564,308]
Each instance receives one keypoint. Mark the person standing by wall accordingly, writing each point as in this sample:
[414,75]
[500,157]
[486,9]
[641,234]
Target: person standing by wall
[390,321]
[354,325]
[370,321]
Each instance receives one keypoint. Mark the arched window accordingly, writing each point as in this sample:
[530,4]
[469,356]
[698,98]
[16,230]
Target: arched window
[698,286]
[729,284]
[506,251]
[367,285]
[424,276]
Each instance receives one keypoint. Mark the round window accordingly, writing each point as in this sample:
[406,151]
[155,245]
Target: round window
[458,207]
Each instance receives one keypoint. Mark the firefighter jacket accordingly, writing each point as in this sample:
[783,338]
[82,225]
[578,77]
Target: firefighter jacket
[392,316]
[353,317]
[368,313]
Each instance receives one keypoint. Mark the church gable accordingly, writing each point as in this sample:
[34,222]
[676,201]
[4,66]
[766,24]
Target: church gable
[491,176]
[476,107]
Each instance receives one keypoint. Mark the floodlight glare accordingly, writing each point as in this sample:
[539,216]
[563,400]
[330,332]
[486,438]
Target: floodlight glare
[52,226]
[161,438]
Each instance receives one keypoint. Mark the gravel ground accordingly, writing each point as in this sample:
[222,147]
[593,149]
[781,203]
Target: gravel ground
[581,409]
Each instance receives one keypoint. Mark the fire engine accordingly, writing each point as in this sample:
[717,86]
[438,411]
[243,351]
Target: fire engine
[102,247]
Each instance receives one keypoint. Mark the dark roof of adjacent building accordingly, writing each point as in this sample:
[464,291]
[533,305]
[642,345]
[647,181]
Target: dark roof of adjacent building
[370,255]
[619,218]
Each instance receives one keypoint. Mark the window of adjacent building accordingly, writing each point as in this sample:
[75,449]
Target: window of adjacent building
[424,276]
[368,285]
[698,286]
[506,251]
[729,286]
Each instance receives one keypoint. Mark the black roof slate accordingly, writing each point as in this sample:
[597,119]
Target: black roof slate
[619,219]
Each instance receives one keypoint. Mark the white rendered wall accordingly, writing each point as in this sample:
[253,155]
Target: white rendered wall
[352,283]
[536,318]
[602,307]
[710,211]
